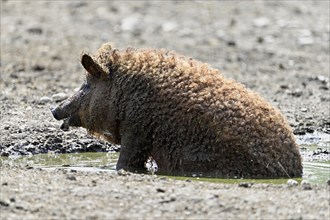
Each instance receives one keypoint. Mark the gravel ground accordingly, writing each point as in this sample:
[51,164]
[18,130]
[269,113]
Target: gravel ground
[81,195]
[277,48]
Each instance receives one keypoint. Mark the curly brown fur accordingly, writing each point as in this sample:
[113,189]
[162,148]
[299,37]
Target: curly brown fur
[191,119]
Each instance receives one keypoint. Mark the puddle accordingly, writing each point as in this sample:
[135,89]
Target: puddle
[93,162]
[316,162]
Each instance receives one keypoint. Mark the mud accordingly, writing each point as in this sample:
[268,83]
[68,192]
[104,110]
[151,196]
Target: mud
[277,48]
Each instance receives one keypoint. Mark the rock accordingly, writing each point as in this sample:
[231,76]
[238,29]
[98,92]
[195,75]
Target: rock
[284,86]
[129,24]
[328,182]
[77,4]
[221,34]
[299,131]
[291,63]
[44,99]
[260,40]
[261,22]
[303,41]
[306,185]
[14,75]
[59,97]
[281,66]
[245,184]
[3,203]
[103,12]
[71,177]
[305,37]
[231,43]
[160,190]
[34,30]
[169,27]
[123,172]
[322,79]
[292,183]
[38,67]
[295,93]
[305,33]
[269,39]
[310,130]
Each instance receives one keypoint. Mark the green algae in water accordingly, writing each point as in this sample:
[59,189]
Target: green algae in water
[234,181]
[316,171]
[77,160]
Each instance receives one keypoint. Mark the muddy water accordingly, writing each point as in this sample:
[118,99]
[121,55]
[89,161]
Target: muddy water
[316,164]
[98,161]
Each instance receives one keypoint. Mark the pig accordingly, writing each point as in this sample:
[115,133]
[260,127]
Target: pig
[182,113]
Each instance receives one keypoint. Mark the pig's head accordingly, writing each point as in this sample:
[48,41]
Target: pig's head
[88,108]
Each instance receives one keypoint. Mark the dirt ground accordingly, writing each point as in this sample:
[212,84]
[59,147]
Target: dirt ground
[277,48]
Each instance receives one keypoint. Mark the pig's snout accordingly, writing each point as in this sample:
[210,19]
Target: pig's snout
[65,109]
[69,120]
[61,112]
[69,111]
[55,113]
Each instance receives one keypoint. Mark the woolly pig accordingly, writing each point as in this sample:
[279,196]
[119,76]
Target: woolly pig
[182,113]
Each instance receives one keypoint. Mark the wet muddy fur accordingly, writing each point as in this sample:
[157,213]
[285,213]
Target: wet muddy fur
[185,115]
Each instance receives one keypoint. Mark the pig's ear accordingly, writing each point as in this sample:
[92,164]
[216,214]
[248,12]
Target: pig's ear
[91,66]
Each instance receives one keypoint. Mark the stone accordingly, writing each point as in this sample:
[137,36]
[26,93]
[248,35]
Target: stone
[292,183]
[45,99]
[306,185]
[59,97]
[261,22]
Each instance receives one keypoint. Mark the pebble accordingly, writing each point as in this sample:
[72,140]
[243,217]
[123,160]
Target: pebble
[295,93]
[77,4]
[45,99]
[160,190]
[103,12]
[284,86]
[231,43]
[129,24]
[306,185]
[291,63]
[122,172]
[71,177]
[281,66]
[269,39]
[305,33]
[59,97]
[34,30]
[169,27]
[38,67]
[261,22]
[245,184]
[322,79]
[292,183]
[304,41]
[4,203]
[305,37]
[221,34]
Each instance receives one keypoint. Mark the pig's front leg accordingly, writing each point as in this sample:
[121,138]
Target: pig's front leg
[134,152]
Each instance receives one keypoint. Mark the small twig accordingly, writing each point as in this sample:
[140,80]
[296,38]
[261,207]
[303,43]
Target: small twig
[283,169]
